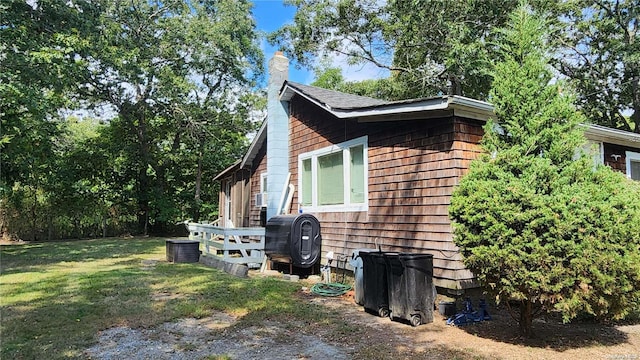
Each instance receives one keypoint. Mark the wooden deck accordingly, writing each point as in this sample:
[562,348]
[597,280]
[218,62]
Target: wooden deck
[244,245]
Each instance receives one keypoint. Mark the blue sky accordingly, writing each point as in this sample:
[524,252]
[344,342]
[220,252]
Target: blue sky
[270,15]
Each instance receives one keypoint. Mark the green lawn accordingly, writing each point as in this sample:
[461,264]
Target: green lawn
[55,297]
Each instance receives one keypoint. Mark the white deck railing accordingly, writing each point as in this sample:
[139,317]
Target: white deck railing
[238,245]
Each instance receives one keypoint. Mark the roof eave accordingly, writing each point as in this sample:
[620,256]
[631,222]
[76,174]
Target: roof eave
[471,108]
[287,92]
[438,106]
[227,170]
[407,110]
[612,136]
[255,146]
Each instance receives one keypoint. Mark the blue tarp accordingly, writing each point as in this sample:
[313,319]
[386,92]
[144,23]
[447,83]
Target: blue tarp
[468,315]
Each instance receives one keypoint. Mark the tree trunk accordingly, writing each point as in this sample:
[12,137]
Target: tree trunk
[196,198]
[454,86]
[146,223]
[526,318]
[104,226]
[34,217]
[133,112]
[49,227]
[143,201]
[4,220]
[635,117]
[78,227]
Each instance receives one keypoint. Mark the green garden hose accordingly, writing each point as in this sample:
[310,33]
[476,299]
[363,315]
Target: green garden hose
[331,289]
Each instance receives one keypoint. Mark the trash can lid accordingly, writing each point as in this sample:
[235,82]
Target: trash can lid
[356,258]
[356,253]
[414,256]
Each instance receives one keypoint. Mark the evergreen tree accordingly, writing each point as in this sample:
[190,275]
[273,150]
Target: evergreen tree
[535,225]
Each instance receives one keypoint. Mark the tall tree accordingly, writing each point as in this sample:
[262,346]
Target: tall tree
[599,51]
[39,45]
[79,200]
[170,69]
[537,227]
[430,46]
[174,81]
[330,77]
[433,47]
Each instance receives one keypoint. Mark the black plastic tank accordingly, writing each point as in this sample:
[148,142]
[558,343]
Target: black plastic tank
[294,236]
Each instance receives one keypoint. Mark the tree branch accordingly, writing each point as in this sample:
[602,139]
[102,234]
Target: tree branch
[615,14]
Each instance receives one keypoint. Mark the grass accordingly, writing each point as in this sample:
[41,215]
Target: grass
[56,297]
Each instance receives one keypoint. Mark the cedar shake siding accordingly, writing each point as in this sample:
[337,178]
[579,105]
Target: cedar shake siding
[413,167]
[239,212]
[259,167]
[617,148]
[616,162]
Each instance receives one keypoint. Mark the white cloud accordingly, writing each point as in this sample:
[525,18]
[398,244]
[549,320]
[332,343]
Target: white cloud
[357,72]
[363,70]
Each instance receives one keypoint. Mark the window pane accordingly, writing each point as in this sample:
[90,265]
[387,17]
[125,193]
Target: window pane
[306,182]
[330,179]
[357,174]
[635,170]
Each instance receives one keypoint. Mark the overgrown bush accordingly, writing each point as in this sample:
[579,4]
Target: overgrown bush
[533,223]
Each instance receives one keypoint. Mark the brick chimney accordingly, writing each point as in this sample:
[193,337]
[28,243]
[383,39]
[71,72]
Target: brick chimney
[277,133]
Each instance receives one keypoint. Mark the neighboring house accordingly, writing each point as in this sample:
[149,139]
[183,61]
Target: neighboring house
[375,173]
[617,149]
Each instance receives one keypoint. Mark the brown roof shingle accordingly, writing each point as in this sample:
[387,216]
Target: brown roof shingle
[335,99]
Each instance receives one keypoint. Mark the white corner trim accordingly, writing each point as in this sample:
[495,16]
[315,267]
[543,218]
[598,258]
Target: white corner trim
[630,155]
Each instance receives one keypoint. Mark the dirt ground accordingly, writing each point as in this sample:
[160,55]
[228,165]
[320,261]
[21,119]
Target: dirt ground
[367,337]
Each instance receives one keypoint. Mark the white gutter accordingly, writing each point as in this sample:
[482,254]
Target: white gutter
[456,105]
[460,105]
[612,136]
[471,103]
[392,109]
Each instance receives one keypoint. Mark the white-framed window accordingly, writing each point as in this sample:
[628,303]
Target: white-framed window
[633,165]
[263,182]
[334,178]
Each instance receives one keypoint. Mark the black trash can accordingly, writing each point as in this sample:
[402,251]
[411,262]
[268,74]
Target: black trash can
[410,281]
[183,251]
[358,286]
[374,281]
